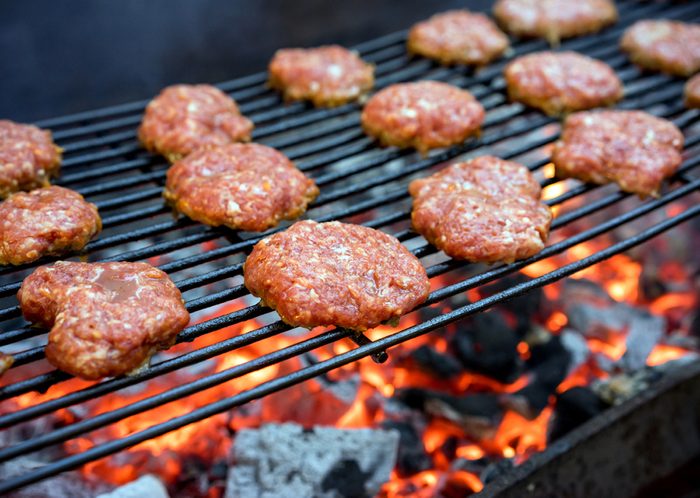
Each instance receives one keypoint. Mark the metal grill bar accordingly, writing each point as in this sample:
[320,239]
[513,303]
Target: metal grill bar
[322,140]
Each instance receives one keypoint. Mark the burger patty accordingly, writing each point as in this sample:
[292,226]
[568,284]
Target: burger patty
[327,76]
[669,46]
[423,115]
[632,148]
[184,118]
[458,36]
[28,157]
[554,19]
[335,274]
[47,221]
[105,319]
[560,82]
[6,362]
[242,186]
[692,92]
[483,210]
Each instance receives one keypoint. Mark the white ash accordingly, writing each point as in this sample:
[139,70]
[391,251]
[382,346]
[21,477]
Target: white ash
[147,486]
[287,461]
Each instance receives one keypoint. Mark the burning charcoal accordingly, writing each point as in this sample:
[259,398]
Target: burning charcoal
[497,469]
[319,401]
[477,414]
[436,363]
[524,306]
[411,457]
[573,408]
[548,366]
[489,346]
[147,485]
[324,462]
[347,478]
[454,487]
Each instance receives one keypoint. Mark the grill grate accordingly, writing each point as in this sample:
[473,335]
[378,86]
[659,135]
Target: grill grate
[359,182]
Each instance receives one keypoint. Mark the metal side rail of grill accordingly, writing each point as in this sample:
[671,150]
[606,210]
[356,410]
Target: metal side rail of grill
[360,182]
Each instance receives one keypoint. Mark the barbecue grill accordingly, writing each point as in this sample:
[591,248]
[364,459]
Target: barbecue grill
[358,181]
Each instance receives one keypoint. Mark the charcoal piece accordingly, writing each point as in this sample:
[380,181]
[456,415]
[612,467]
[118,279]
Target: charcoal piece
[573,408]
[477,414]
[548,365]
[474,466]
[411,457]
[284,460]
[576,346]
[620,387]
[453,487]
[346,479]
[523,307]
[644,332]
[436,363]
[496,469]
[489,346]
[147,485]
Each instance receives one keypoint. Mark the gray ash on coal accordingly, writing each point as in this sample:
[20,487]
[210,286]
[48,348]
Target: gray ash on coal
[287,461]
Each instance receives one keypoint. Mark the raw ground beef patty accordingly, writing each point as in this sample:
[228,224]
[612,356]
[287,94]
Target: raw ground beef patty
[47,221]
[184,118]
[335,274]
[484,210]
[632,148]
[691,91]
[661,45]
[242,186]
[458,37]
[554,19]
[423,115]
[560,82]
[28,157]
[327,76]
[106,319]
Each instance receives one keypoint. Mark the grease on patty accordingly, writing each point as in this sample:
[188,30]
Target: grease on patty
[105,319]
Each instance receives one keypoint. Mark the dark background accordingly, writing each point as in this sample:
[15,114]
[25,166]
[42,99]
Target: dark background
[64,56]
